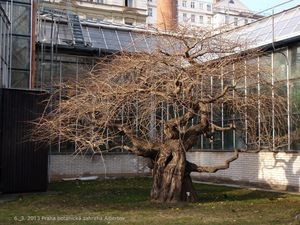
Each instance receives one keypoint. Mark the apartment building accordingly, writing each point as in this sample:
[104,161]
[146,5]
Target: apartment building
[130,12]
[195,13]
[199,13]
[232,13]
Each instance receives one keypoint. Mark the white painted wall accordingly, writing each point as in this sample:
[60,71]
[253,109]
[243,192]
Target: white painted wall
[152,20]
[114,164]
[278,171]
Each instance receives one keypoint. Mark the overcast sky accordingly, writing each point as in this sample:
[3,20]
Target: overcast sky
[260,5]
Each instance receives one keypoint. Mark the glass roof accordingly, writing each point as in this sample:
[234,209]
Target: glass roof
[282,26]
[107,38]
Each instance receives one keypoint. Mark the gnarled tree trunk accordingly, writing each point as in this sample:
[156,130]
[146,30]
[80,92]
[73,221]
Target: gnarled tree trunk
[171,180]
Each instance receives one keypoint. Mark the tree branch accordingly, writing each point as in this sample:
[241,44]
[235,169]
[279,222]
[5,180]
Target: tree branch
[172,126]
[191,136]
[224,92]
[212,169]
[140,152]
[139,144]
[215,127]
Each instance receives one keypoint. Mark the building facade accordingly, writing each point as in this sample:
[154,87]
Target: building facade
[232,13]
[4,48]
[195,13]
[130,12]
[199,13]
[22,17]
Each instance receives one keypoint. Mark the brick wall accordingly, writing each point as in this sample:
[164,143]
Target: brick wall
[277,171]
[265,169]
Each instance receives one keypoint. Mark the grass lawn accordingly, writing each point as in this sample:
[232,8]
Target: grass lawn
[126,201]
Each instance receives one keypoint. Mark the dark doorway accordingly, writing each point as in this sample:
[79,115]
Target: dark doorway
[23,163]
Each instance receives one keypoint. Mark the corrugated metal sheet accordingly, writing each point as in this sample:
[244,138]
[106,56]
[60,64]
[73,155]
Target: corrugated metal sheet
[23,164]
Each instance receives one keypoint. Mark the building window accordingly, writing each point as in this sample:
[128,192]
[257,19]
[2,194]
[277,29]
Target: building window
[20,52]
[129,22]
[201,5]
[192,5]
[227,19]
[150,12]
[246,21]
[295,92]
[295,64]
[183,3]
[100,20]
[201,19]
[100,1]
[208,20]
[208,7]
[89,18]
[193,18]
[236,21]
[184,16]
[129,3]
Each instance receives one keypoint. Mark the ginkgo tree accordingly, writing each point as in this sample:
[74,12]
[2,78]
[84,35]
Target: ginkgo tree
[159,104]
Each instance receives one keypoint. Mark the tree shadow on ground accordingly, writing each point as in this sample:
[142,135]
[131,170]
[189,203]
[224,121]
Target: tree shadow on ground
[215,193]
[237,195]
[133,194]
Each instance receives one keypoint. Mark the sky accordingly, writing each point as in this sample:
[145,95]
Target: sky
[260,5]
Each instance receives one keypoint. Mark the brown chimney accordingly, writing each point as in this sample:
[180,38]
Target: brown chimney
[167,14]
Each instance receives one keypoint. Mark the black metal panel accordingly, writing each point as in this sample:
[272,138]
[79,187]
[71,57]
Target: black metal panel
[24,164]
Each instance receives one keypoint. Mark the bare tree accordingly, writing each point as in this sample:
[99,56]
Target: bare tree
[158,105]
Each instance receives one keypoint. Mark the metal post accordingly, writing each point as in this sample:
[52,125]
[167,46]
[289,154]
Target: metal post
[222,107]
[246,114]
[288,73]
[211,108]
[233,118]
[273,110]
[259,103]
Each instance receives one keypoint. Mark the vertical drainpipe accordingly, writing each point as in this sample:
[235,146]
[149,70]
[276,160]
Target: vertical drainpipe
[11,30]
[32,40]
